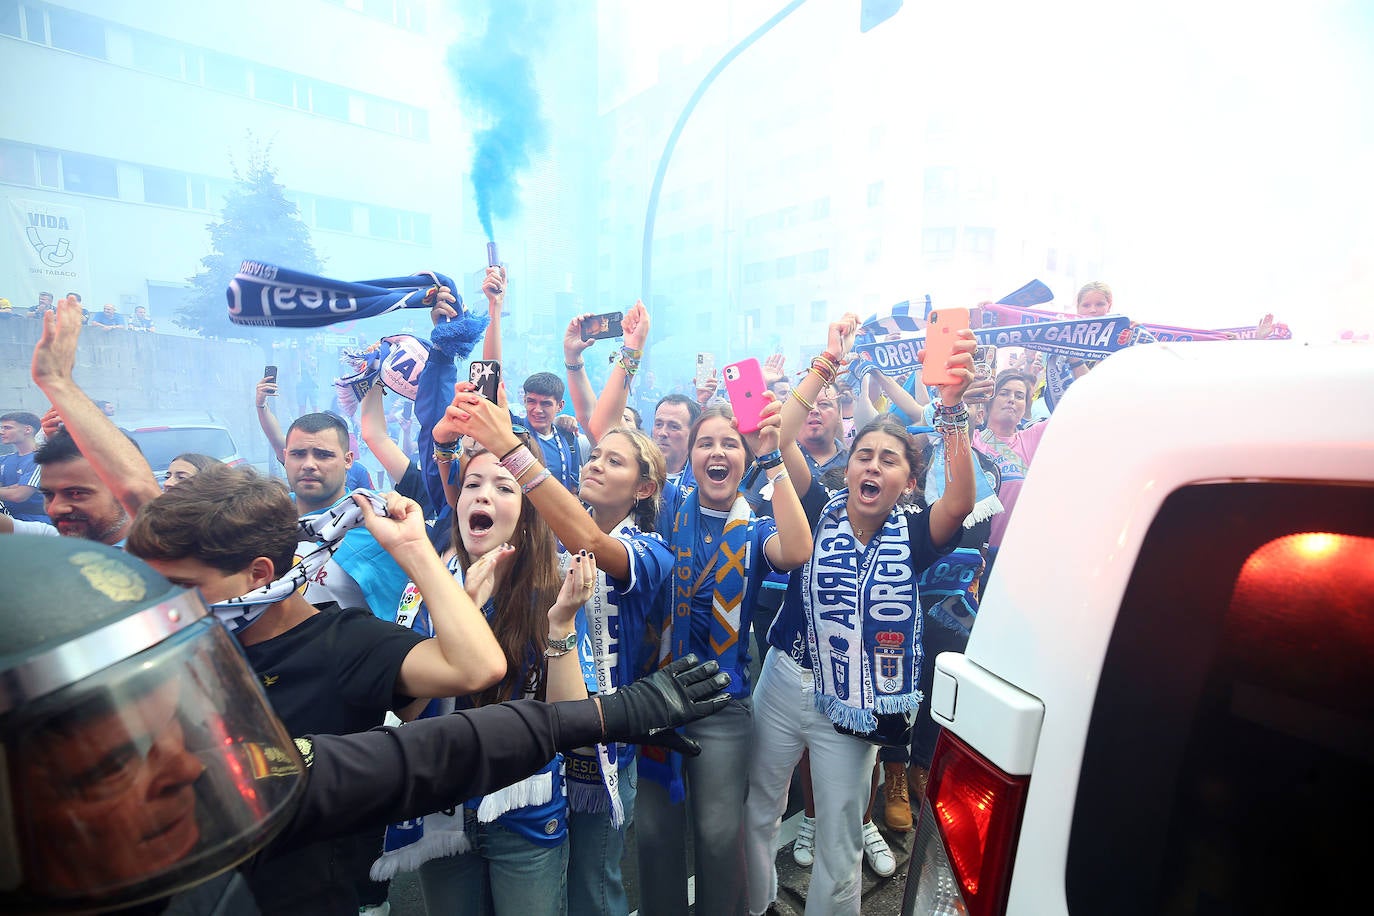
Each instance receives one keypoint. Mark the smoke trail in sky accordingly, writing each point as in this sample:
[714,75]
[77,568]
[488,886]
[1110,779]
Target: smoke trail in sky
[496,83]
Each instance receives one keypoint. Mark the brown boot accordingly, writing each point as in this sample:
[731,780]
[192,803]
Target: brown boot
[897,811]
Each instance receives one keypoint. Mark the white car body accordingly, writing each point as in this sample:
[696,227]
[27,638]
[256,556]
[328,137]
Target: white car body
[1145,423]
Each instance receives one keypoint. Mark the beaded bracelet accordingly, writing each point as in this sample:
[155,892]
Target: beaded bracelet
[573,367]
[535,481]
[770,460]
[518,462]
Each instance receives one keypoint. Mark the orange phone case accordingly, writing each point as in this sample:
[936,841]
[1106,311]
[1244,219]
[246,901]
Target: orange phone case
[941,333]
[745,388]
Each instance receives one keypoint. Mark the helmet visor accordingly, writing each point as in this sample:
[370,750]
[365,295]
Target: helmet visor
[148,777]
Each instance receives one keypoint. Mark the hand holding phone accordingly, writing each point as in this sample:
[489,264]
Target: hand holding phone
[706,369]
[942,332]
[601,327]
[485,374]
[745,388]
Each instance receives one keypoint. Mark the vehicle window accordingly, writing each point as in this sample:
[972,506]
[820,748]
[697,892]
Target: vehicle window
[1231,745]
[160,446]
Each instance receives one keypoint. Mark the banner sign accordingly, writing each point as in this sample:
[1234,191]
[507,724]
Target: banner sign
[49,250]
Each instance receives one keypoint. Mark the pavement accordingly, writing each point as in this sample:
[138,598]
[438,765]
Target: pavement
[881,896]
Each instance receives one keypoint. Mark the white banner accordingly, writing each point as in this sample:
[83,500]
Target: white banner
[48,245]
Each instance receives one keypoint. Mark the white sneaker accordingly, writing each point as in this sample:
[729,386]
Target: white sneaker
[804,850]
[877,852]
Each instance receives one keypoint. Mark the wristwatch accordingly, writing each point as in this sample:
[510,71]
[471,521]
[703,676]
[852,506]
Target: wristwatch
[566,644]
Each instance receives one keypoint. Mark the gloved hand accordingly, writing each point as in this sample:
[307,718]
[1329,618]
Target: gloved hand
[647,711]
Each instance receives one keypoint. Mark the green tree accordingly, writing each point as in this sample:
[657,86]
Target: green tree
[257,222]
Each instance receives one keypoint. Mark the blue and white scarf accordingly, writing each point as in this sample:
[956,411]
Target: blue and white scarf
[265,295]
[985,501]
[327,528]
[863,619]
[594,778]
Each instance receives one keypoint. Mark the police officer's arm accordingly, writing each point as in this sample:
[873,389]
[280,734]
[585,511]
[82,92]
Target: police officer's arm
[394,774]
[112,455]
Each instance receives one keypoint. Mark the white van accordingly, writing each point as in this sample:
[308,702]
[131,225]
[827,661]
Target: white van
[1167,701]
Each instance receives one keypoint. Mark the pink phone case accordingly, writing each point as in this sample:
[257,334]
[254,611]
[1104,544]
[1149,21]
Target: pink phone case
[941,333]
[745,388]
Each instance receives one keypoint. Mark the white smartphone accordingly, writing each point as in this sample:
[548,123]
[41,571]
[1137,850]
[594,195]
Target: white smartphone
[706,368]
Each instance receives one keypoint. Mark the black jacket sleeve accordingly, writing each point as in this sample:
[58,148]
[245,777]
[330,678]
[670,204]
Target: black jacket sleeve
[387,774]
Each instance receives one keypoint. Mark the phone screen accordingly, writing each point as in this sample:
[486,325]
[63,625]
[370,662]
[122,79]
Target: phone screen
[601,327]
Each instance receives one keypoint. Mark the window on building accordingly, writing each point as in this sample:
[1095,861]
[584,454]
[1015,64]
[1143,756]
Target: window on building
[272,85]
[937,241]
[785,315]
[72,31]
[752,318]
[675,201]
[940,184]
[381,115]
[817,260]
[222,72]
[382,223]
[703,279]
[753,272]
[875,194]
[786,266]
[820,208]
[17,164]
[164,186]
[817,310]
[978,241]
[705,234]
[10,22]
[328,100]
[334,214]
[89,175]
[152,54]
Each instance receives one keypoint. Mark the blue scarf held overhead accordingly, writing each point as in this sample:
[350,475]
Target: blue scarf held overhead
[863,619]
[264,295]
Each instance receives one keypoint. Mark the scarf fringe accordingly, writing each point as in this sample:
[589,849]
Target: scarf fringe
[588,798]
[983,510]
[533,790]
[906,702]
[435,845]
[456,338]
[853,718]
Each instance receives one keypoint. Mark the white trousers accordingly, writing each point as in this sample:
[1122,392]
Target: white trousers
[786,721]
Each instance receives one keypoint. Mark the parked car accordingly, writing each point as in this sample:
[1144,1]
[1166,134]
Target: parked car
[163,436]
[1167,701]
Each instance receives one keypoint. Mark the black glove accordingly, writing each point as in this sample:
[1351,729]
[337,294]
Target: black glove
[647,711]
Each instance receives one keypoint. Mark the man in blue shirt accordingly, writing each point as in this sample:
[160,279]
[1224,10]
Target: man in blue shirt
[543,401]
[18,474]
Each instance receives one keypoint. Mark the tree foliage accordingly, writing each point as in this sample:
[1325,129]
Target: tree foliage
[258,223]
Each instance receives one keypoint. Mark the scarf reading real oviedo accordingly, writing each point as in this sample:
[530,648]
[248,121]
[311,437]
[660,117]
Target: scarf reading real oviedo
[863,619]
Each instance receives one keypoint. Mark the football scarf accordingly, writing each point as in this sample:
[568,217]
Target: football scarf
[985,501]
[264,295]
[328,529]
[863,619]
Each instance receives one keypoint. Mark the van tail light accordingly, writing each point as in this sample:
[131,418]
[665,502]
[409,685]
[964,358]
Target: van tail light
[976,812]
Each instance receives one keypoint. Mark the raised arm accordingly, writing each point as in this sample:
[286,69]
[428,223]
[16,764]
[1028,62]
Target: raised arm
[494,285]
[792,545]
[473,415]
[579,386]
[372,416]
[839,340]
[267,388]
[463,657]
[563,679]
[610,407]
[951,421]
[115,459]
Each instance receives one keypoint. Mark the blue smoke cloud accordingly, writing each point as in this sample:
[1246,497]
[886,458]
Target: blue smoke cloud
[496,82]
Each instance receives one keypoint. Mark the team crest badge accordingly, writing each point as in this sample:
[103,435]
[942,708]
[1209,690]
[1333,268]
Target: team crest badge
[888,662]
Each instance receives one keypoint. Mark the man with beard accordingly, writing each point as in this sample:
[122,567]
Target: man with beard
[74,496]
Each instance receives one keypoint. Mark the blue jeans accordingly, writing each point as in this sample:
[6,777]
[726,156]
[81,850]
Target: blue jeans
[595,886]
[502,875]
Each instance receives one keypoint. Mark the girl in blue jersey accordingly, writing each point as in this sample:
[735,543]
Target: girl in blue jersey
[721,553]
[621,484]
[507,852]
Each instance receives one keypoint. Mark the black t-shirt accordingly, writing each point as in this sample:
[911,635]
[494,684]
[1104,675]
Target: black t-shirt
[334,673]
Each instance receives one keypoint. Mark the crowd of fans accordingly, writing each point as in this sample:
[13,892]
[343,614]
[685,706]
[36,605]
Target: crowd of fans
[107,319]
[567,541]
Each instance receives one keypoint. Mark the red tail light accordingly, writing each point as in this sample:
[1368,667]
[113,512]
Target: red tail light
[978,811]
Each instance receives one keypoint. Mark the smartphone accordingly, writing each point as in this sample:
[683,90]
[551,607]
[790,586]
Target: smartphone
[706,369]
[941,333]
[270,373]
[486,375]
[984,361]
[745,388]
[600,327]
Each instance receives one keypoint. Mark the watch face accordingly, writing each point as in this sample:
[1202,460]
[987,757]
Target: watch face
[564,644]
